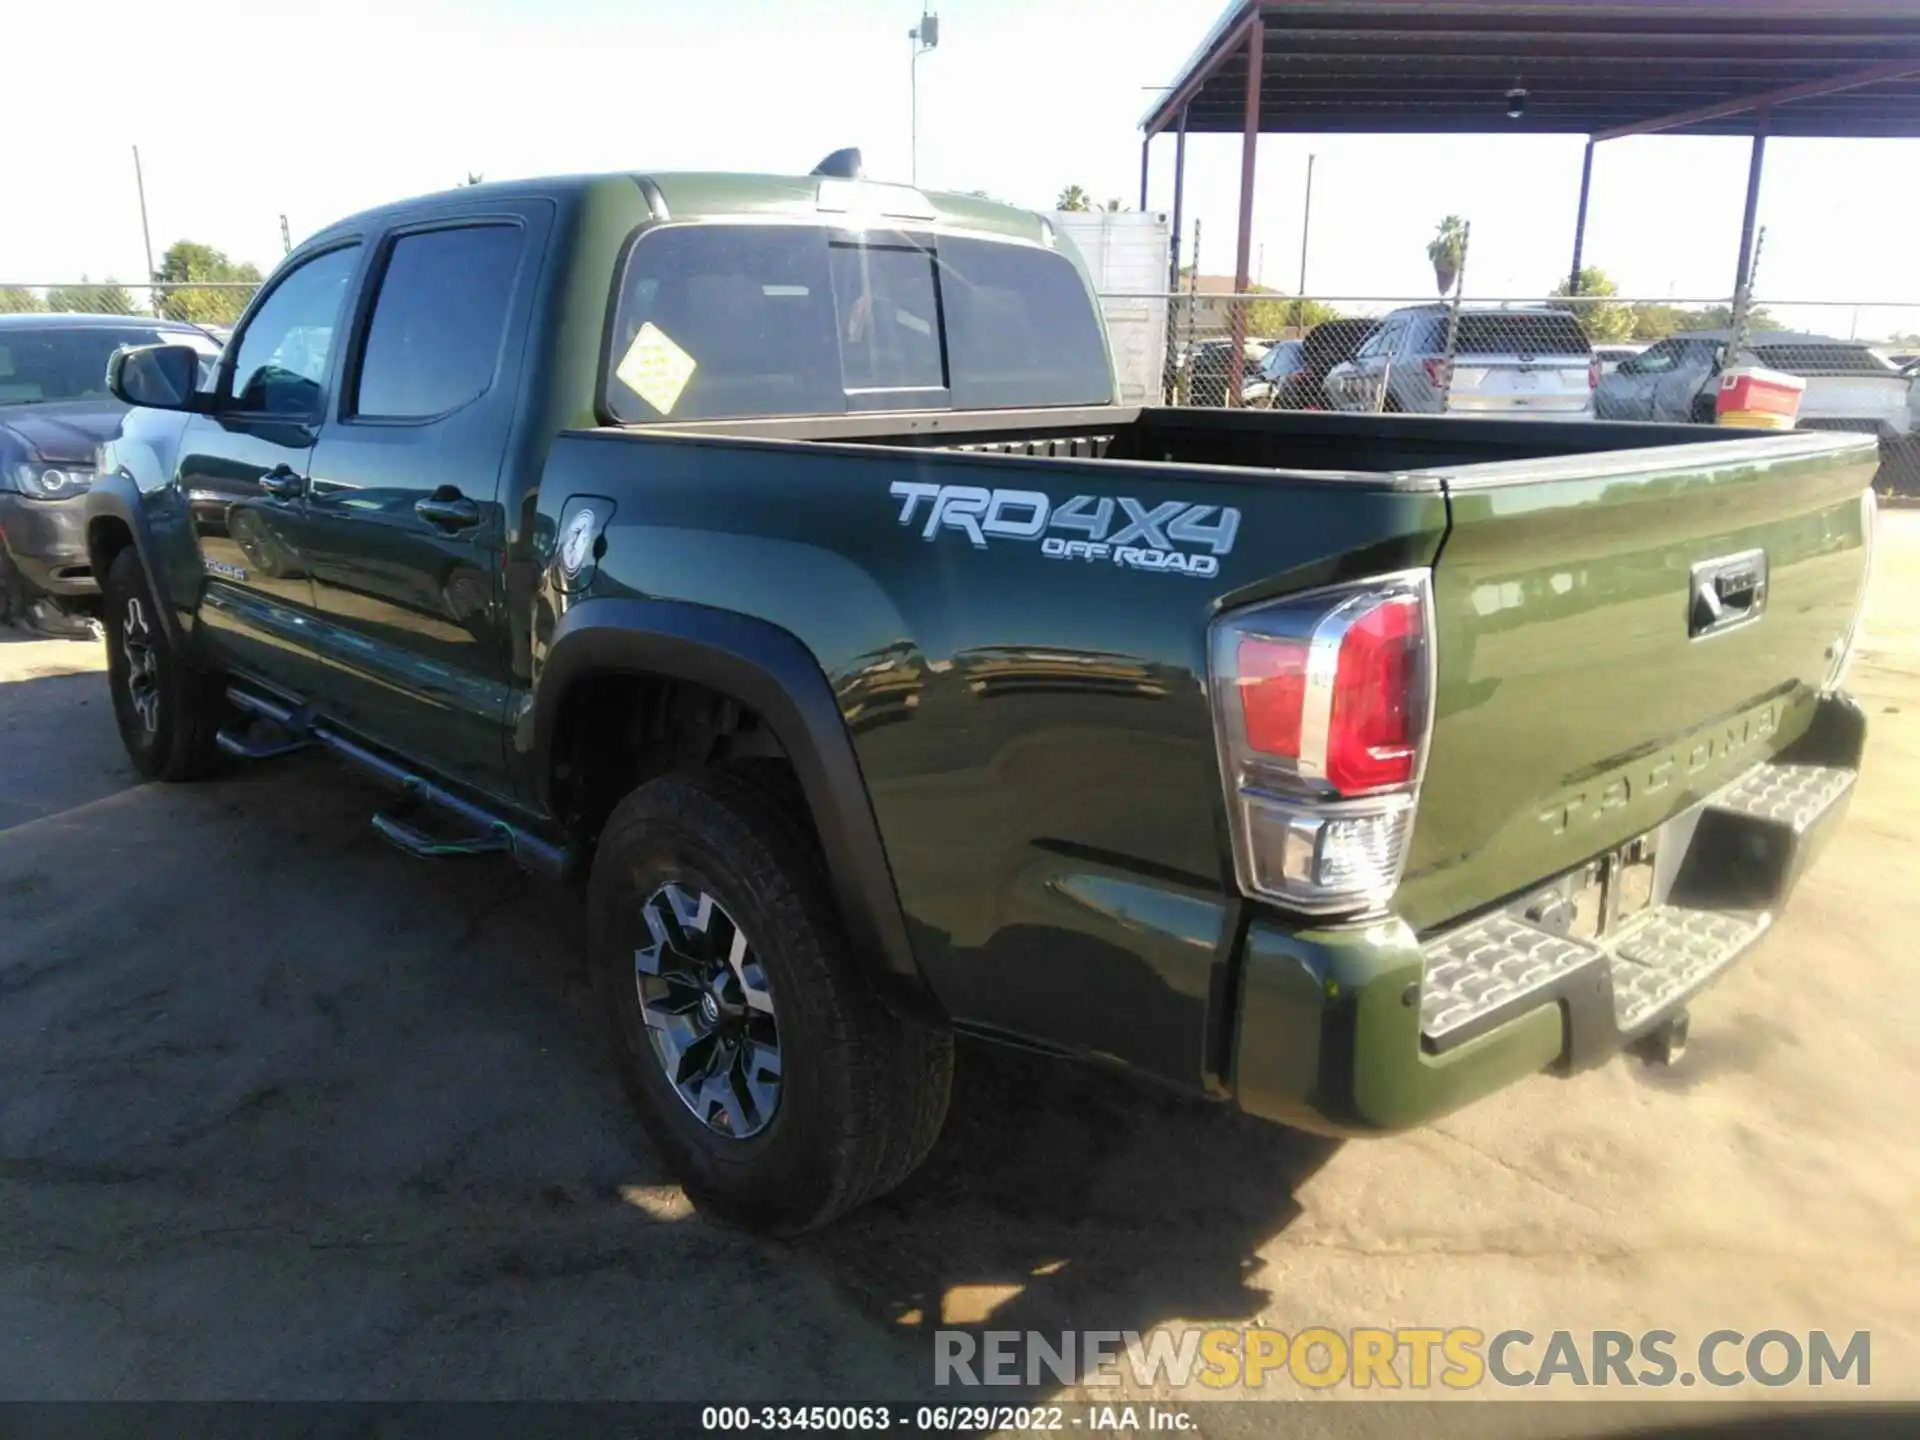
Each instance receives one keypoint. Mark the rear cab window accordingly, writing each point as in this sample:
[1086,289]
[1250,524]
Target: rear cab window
[726,321]
[1521,334]
[1816,358]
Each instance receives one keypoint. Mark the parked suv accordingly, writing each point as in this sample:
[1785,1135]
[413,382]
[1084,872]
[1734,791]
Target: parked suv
[1513,363]
[1296,373]
[55,412]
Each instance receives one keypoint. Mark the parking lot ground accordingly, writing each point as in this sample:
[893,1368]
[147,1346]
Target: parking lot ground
[287,1115]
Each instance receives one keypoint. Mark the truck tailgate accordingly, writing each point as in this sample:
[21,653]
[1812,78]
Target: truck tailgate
[1587,689]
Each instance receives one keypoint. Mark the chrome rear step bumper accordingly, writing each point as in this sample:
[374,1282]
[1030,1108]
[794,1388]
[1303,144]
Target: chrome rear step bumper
[1732,860]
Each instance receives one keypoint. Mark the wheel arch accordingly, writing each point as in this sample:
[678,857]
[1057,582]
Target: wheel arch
[116,521]
[769,671]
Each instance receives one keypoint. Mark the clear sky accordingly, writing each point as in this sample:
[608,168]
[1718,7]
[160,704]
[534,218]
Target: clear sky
[245,111]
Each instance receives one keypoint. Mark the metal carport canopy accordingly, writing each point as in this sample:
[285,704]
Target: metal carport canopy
[1603,69]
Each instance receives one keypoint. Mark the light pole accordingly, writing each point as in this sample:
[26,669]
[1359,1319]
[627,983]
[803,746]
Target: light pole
[1306,226]
[924,37]
[146,235]
[1306,230]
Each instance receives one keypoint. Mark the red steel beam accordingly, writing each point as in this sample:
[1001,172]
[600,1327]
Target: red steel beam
[1243,251]
[1811,90]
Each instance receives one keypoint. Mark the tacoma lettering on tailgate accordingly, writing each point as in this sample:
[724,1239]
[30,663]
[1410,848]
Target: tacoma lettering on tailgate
[1706,750]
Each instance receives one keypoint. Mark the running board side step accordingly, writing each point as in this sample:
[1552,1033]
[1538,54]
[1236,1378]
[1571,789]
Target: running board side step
[492,834]
[297,727]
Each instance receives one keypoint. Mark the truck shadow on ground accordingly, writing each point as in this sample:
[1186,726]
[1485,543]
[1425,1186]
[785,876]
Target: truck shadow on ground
[1064,1197]
[263,1052]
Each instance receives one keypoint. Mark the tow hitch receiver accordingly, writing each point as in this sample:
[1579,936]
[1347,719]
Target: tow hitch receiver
[1666,1042]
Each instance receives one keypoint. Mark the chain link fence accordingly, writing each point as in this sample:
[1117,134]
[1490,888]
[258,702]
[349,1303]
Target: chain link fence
[1608,357]
[1605,357]
[212,303]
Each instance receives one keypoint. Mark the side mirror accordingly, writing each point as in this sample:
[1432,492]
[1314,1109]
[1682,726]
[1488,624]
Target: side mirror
[157,377]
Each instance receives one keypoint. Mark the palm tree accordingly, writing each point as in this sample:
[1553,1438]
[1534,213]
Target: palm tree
[1073,198]
[1448,252]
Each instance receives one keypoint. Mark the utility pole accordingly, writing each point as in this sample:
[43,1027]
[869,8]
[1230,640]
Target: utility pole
[1306,227]
[146,236]
[286,237]
[923,37]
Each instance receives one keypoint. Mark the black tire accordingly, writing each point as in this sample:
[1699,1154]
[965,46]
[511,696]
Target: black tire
[862,1092]
[15,594]
[168,712]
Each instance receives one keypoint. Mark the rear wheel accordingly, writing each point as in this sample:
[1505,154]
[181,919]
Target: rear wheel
[167,711]
[775,1082]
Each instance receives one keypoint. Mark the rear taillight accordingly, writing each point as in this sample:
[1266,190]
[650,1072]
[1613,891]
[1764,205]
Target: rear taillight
[1440,372]
[1593,373]
[1321,704]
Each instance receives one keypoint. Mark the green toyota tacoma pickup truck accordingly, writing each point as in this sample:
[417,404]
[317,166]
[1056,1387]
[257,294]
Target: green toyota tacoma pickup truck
[770,553]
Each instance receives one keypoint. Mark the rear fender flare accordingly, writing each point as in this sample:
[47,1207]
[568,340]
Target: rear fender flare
[771,672]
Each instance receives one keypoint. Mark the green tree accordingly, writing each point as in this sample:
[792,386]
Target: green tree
[1448,252]
[1601,319]
[1654,322]
[17,301]
[1720,317]
[109,297]
[1074,197]
[1279,316]
[200,284]
[1114,207]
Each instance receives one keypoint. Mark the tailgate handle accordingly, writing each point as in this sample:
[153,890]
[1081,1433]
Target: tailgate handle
[1726,592]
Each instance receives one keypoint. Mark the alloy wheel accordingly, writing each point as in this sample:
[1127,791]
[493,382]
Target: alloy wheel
[143,665]
[708,1011]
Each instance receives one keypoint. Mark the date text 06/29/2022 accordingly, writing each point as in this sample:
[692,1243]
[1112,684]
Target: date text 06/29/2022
[937,1419]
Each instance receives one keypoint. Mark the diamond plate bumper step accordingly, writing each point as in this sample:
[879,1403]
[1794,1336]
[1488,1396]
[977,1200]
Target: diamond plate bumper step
[1499,966]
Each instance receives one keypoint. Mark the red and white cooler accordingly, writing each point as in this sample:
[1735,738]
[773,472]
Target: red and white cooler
[1756,397]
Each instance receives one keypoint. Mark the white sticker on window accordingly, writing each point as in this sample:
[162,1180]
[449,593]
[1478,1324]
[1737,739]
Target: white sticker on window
[656,369]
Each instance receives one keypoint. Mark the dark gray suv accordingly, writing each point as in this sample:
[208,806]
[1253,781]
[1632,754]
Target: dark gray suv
[55,412]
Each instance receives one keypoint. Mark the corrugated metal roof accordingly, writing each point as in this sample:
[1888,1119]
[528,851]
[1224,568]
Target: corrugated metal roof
[1445,66]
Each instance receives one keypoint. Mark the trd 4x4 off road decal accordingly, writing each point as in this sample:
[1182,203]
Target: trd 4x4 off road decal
[1115,529]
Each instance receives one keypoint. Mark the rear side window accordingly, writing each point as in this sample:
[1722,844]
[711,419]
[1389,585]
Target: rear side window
[1521,335]
[738,321]
[433,342]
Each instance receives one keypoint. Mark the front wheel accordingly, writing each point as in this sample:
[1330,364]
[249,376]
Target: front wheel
[772,1078]
[168,712]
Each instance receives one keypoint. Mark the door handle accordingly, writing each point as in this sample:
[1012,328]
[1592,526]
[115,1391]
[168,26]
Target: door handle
[449,508]
[282,482]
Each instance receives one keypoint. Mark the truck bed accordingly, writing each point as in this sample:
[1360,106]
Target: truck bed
[1354,445]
